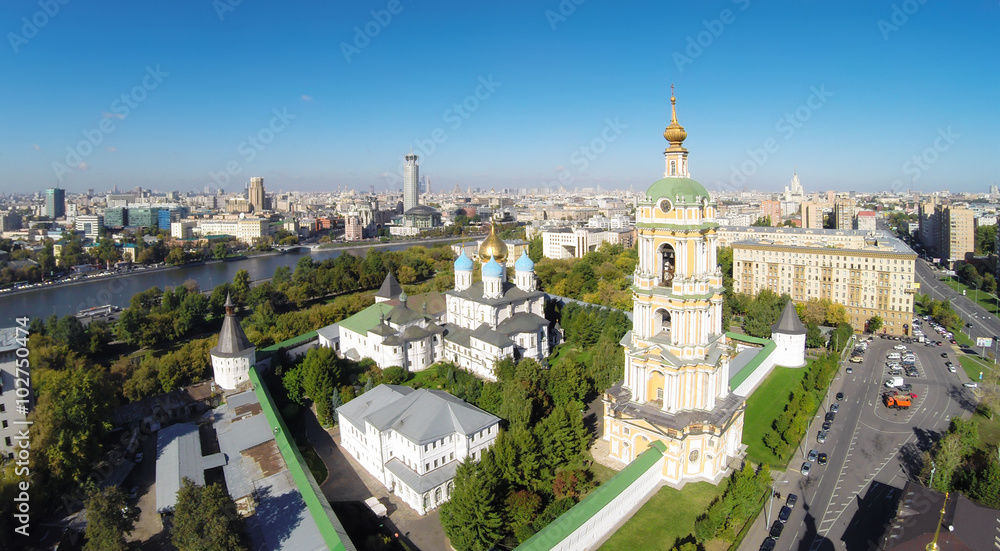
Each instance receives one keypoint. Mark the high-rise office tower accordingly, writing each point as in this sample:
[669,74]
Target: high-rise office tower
[256,193]
[411,173]
[55,203]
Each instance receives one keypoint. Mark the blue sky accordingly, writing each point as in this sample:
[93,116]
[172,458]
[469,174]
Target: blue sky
[880,95]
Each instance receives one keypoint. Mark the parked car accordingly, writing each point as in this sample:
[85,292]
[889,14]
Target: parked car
[849,369]
[952,369]
[821,437]
[812,455]
[768,544]
[776,528]
[827,425]
[899,347]
[806,467]
[784,514]
[830,416]
[944,354]
[970,385]
[791,500]
[821,459]
[840,396]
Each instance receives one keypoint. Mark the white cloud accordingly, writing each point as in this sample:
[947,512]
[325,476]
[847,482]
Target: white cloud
[36,147]
[306,98]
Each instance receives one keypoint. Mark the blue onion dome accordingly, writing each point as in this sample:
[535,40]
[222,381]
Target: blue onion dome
[463,263]
[492,268]
[524,264]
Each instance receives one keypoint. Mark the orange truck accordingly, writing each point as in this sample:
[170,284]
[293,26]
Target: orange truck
[897,401]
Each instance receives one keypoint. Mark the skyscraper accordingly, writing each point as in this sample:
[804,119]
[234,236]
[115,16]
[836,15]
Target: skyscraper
[411,173]
[256,193]
[55,203]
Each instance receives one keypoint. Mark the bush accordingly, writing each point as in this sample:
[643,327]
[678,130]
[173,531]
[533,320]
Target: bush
[393,375]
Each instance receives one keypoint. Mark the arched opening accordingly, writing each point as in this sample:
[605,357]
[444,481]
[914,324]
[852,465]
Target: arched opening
[662,323]
[641,443]
[668,264]
[654,389]
[625,455]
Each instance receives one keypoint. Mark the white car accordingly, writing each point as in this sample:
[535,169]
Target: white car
[970,385]
[899,347]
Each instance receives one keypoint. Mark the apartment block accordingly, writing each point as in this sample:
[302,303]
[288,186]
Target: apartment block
[876,279]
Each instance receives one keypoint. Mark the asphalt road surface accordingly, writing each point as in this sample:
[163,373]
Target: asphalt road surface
[872,451]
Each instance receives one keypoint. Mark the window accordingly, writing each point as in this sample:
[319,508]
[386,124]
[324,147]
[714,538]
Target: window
[427,466]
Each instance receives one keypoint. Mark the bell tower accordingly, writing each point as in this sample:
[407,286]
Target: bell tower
[676,384]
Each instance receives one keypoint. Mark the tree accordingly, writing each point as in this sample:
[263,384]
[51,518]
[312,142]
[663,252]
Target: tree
[989,283]
[241,287]
[220,251]
[320,379]
[205,519]
[472,518]
[535,251]
[874,324]
[176,256]
[109,519]
[814,337]
[72,417]
[762,221]
[393,375]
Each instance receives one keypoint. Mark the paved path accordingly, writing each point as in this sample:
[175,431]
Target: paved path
[349,481]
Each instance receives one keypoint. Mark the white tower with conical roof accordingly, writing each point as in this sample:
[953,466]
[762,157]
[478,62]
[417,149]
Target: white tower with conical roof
[234,355]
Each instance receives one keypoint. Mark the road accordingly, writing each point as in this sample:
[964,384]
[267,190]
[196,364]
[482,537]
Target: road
[869,446]
[984,324]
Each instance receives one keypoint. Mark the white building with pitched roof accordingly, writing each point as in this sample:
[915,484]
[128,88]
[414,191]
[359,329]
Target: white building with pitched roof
[473,325]
[412,441]
[234,355]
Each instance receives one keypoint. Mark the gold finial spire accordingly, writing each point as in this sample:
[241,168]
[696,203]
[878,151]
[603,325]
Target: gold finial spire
[933,545]
[674,133]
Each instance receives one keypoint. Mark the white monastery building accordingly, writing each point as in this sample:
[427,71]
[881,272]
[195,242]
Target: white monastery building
[412,441]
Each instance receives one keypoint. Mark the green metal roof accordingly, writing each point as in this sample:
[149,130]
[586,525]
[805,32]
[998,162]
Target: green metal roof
[689,190]
[751,366]
[326,520]
[292,342]
[366,319]
[570,521]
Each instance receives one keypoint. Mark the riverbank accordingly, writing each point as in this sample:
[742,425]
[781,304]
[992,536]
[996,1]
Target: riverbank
[108,276]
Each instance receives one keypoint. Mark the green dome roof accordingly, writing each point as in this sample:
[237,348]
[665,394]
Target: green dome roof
[689,190]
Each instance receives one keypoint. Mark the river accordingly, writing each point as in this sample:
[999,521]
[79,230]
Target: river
[118,290]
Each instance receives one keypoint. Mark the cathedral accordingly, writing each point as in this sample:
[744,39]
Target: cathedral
[473,325]
[676,385]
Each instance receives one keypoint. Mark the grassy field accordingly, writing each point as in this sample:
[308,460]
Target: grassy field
[667,517]
[763,407]
[973,365]
[425,379]
[987,301]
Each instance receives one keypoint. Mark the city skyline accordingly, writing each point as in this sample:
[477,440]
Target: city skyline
[852,96]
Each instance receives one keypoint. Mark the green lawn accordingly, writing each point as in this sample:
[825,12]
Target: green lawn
[668,516]
[987,301]
[763,407]
[601,473]
[973,365]
[989,431]
[425,379]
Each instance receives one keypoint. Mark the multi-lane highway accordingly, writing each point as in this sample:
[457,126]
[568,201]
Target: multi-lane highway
[870,447]
[984,324]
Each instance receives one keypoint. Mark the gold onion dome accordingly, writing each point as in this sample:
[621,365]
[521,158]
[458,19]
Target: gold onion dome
[493,246]
[674,133]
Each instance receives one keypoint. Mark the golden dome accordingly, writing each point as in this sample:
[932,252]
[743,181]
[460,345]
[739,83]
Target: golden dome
[674,133]
[493,246]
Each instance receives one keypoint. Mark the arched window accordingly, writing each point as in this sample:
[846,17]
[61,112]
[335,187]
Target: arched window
[669,264]
[437,495]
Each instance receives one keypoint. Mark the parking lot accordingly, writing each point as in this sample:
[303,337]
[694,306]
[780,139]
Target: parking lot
[871,448]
